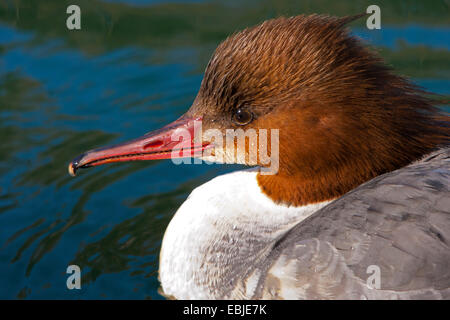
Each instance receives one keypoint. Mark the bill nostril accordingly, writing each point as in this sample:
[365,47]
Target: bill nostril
[153,144]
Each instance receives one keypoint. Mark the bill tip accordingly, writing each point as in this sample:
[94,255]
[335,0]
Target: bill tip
[72,170]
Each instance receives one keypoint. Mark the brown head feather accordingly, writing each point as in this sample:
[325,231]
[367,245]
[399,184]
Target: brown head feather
[344,116]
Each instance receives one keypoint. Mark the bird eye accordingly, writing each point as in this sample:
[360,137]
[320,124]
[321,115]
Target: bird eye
[242,116]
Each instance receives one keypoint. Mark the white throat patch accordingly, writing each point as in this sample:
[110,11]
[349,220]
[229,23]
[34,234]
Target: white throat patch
[223,224]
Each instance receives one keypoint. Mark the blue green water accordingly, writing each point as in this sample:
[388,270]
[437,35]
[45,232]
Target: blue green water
[135,66]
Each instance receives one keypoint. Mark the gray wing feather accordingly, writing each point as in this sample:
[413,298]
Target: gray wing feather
[399,222]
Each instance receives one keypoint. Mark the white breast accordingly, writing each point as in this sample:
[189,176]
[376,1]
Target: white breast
[222,227]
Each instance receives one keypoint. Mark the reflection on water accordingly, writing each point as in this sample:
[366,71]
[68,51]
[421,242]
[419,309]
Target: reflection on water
[133,67]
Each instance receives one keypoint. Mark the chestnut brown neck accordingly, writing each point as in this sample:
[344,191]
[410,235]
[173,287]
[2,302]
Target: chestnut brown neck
[327,176]
[297,190]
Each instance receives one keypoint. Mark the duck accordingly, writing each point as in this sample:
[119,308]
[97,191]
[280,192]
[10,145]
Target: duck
[351,199]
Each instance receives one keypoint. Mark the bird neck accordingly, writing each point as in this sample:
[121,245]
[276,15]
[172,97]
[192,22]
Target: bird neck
[298,189]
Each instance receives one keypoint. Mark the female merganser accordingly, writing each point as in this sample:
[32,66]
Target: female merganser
[362,181]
